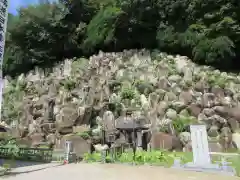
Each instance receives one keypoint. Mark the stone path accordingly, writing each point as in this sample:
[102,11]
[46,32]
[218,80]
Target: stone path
[109,172]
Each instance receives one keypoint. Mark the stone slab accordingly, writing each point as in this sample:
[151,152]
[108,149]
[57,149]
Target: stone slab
[210,168]
[200,147]
[201,156]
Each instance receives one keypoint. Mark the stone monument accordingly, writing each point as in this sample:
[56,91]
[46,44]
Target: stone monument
[201,156]
[200,148]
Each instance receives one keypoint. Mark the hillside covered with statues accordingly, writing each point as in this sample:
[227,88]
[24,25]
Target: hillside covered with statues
[121,72]
[151,93]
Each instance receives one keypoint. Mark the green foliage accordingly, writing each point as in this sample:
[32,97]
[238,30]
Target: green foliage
[16,152]
[100,30]
[161,158]
[85,135]
[168,39]
[13,96]
[33,38]
[94,157]
[68,84]
[41,35]
[207,31]
[218,50]
[11,145]
[217,81]
[181,123]
[141,157]
[128,93]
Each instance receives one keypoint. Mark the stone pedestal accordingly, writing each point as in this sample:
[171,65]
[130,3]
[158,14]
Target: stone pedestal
[213,168]
[201,156]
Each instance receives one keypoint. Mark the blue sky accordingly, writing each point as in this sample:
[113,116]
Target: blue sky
[15,4]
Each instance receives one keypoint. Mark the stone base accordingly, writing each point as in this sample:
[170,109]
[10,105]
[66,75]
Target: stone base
[212,168]
[207,166]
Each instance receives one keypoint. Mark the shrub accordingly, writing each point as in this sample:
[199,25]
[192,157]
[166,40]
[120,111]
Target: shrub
[217,81]
[214,51]
[85,135]
[168,40]
[180,124]
[141,157]
[100,30]
[68,84]
[128,93]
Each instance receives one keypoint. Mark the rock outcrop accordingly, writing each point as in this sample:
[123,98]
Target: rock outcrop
[94,93]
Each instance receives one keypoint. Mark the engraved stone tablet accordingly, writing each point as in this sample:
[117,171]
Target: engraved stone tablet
[201,157]
[200,145]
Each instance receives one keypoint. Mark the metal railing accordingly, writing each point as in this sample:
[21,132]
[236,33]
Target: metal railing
[29,154]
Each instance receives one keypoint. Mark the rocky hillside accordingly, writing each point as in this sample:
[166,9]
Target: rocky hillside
[74,96]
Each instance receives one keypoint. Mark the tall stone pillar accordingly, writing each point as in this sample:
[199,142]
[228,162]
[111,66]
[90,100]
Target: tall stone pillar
[139,139]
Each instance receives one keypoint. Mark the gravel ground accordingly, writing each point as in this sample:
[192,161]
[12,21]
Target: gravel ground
[108,172]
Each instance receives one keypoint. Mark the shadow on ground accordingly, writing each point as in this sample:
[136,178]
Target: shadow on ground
[15,171]
[19,163]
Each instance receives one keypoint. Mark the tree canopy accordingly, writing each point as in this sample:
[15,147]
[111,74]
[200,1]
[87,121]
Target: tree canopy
[206,31]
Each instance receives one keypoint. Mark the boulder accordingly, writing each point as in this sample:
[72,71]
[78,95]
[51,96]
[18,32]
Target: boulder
[80,146]
[213,131]
[67,117]
[208,100]
[162,140]
[185,137]
[194,110]
[215,147]
[186,97]
[236,140]
[36,139]
[171,114]
[235,113]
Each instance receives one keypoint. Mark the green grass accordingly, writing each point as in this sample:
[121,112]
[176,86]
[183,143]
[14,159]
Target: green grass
[160,158]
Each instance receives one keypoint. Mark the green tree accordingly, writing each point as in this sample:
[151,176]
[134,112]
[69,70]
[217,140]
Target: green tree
[41,35]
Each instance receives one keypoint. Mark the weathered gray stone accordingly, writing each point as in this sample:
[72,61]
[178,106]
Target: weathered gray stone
[194,110]
[185,137]
[208,112]
[213,131]
[236,140]
[52,103]
[171,114]
[186,97]
[174,78]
